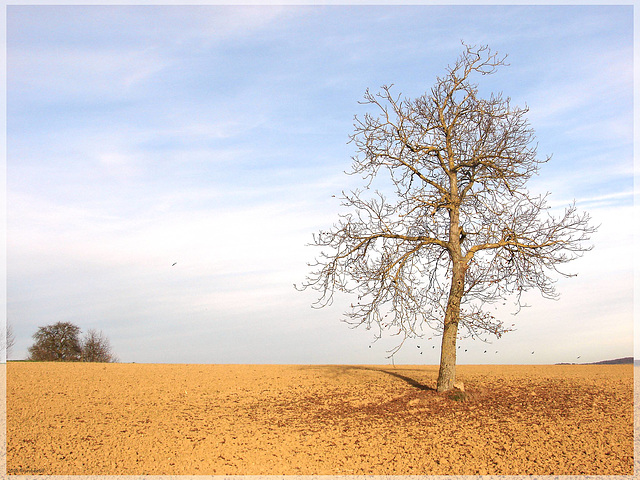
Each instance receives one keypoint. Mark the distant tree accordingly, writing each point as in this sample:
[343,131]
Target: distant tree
[57,342]
[10,339]
[460,230]
[61,342]
[96,348]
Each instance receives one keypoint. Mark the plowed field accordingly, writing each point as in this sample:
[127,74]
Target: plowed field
[132,419]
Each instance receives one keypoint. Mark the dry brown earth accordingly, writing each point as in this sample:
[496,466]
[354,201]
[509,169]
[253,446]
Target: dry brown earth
[129,419]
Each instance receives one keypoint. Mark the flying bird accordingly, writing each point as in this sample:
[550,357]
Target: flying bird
[174,263]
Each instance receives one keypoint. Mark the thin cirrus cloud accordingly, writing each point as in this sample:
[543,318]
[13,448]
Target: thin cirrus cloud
[83,71]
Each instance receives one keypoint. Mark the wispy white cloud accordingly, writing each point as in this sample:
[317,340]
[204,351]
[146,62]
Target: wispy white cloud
[611,200]
[79,72]
[588,181]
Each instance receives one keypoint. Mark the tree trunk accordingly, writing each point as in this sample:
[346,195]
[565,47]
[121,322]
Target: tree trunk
[447,373]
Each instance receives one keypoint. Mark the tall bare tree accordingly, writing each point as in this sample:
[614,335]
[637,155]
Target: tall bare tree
[460,230]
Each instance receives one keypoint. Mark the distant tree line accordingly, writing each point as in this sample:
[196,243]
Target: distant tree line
[61,342]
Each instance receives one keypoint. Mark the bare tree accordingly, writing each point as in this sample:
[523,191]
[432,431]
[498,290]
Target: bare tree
[10,339]
[460,230]
[97,348]
[57,342]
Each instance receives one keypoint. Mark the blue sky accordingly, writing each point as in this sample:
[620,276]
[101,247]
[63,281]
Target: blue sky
[214,137]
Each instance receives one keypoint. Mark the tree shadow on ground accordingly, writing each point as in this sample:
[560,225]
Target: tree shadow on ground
[409,380]
[414,383]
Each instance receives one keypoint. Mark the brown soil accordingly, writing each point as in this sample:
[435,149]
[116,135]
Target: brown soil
[128,419]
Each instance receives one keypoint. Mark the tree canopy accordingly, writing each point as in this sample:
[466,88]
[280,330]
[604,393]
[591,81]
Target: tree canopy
[57,342]
[97,348]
